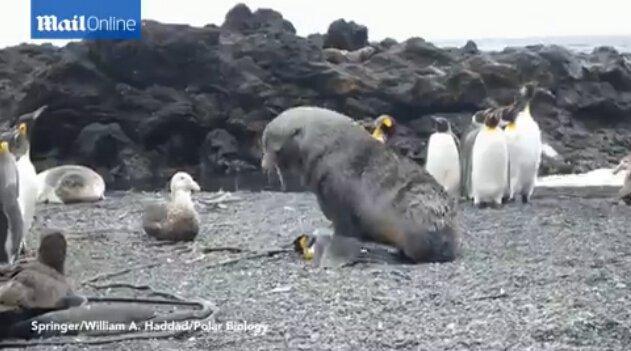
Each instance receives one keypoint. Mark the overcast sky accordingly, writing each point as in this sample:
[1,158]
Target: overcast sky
[400,19]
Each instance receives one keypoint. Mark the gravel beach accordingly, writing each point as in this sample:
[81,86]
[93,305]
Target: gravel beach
[554,274]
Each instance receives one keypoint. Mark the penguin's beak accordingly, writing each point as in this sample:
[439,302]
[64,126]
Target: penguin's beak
[195,186]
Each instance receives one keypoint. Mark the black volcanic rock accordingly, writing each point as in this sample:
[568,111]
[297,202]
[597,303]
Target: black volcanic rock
[346,36]
[198,98]
[470,47]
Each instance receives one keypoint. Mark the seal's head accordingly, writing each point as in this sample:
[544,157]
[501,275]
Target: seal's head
[624,165]
[297,136]
[441,125]
[52,250]
[182,181]
[384,128]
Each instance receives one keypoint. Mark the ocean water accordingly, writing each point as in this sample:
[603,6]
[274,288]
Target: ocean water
[585,44]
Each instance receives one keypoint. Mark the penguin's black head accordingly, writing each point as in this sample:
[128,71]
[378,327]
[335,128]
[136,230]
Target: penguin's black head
[478,117]
[492,120]
[441,125]
[26,121]
[508,114]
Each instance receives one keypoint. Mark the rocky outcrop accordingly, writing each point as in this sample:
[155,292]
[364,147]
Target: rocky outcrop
[198,98]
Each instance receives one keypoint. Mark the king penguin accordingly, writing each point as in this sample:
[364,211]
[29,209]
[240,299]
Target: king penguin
[20,146]
[489,163]
[523,137]
[11,221]
[466,143]
[328,250]
[443,158]
[384,128]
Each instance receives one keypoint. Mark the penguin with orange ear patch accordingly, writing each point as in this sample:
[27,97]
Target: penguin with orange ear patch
[20,147]
[384,128]
[489,163]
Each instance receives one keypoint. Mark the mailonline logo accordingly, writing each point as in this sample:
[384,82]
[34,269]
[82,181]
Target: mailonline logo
[85,19]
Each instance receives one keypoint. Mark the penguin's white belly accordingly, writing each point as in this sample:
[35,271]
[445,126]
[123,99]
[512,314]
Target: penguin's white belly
[443,161]
[524,149]
[28,190]
[489,165]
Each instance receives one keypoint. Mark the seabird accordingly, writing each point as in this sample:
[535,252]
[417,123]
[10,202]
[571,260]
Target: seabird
[176,220]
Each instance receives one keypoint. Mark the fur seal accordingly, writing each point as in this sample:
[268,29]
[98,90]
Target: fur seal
[489,163]
[365,189]
[38,286]
[11,220]
[523,138]
[176,220]
[70,184]
[625,192]
[443,157]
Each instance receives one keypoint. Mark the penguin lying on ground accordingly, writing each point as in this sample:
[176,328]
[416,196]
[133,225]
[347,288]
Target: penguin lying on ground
[327,250]
[625,192]
[20,146]
[176,220]
[489,163]
[36,287]
[523,138]
[443,158]
[70,184]
[11,220]
[365,189]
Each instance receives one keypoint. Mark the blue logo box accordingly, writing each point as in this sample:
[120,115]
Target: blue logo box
[85,19]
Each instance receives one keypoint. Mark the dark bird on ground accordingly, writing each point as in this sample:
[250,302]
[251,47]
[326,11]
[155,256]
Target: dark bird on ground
[176,220]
